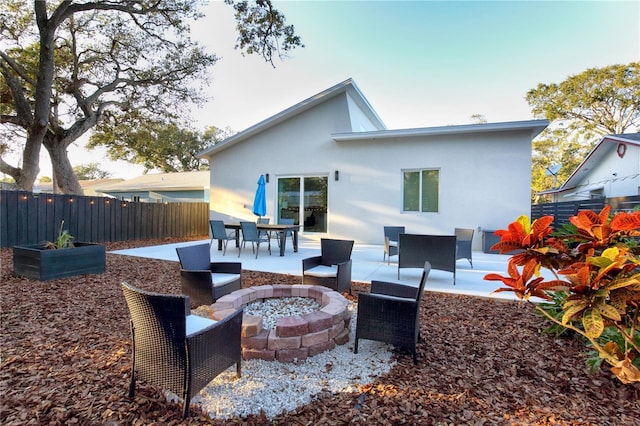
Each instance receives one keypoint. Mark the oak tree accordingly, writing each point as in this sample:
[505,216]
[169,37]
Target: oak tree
[582,109]
[157,145]
[68,65]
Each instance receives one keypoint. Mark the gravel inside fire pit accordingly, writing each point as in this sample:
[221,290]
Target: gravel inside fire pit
[279,307]
[273,387]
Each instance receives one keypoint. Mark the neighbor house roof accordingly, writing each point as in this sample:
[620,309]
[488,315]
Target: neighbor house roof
[534,126]
[183,181]
[88,185]
[602,149]
[347,86]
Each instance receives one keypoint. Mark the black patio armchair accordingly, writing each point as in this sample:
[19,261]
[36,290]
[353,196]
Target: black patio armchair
[177,351]
[390,313]
[332,268]
[463,244]
[205,281]
[391,237]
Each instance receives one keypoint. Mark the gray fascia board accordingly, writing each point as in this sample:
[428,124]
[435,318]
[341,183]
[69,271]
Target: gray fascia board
[536,126]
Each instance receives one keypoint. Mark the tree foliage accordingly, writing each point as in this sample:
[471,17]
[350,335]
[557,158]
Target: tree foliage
[90,171]
[555,147]
[156,144]
[261,29]
[601,100]
[582,109]
[67,66]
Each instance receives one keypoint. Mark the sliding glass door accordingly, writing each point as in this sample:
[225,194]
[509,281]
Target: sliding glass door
[304,199]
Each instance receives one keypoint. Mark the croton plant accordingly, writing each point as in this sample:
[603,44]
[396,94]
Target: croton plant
[595,263]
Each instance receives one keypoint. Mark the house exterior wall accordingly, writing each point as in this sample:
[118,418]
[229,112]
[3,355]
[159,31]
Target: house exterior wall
[299,146]
[484,183]
[626,181]
[359,120]
[485,178]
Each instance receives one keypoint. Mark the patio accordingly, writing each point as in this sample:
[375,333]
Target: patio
[367,265]
[480,361]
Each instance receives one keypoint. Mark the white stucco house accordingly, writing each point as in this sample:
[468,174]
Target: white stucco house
[611,169]
[333,166]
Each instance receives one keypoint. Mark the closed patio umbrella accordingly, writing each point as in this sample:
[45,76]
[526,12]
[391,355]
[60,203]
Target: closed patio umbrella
[260,200]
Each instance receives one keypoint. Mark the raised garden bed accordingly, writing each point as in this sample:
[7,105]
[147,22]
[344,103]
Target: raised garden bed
[38,263]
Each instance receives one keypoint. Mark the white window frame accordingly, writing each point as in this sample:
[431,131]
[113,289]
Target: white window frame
[420,190]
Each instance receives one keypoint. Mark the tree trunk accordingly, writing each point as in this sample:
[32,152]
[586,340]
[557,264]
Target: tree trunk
[63,174]
[30,166]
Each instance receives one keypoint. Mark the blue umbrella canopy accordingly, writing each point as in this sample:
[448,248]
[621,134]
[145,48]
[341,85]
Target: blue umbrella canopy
[260,200]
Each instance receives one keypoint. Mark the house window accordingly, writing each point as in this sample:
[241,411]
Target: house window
[420,190]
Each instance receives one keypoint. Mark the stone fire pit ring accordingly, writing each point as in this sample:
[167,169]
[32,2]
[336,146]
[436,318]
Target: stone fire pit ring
[295,337]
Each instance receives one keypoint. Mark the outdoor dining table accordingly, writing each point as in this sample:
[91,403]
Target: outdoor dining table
[269,227]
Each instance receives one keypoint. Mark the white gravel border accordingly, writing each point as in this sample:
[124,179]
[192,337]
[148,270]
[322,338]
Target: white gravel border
[275,387]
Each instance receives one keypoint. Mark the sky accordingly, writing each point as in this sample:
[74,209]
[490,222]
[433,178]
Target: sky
[419,63]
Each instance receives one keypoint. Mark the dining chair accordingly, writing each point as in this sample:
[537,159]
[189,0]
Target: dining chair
[220,233]
[250,233]
[263,232]
[287,233]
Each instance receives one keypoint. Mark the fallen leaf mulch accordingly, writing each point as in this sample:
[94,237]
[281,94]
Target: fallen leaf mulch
[66,353]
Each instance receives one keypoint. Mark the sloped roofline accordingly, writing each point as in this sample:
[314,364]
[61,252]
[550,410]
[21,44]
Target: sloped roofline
[574,178]
[535,126]
[179,181]
[347,85]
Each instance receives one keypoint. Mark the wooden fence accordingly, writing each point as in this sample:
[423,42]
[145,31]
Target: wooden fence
[562,211]
[30,218]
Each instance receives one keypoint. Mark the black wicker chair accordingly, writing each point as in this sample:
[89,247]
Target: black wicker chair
[205,281]
[390,313]
[391,234]
[463,243]
[177,351]
[332,268]
[439,250]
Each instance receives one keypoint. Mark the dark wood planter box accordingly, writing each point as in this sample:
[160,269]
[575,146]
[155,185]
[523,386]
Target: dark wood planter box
[35,262]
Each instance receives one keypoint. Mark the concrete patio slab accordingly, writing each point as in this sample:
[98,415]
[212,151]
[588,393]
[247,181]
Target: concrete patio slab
[367,265]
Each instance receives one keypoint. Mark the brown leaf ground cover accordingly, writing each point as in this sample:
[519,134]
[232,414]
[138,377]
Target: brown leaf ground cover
[65,359]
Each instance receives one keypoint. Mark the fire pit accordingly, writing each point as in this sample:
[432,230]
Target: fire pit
[294,337]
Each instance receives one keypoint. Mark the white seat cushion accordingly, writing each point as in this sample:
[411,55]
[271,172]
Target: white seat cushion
[196,323]
[222,279]
[322,271]
[393,243]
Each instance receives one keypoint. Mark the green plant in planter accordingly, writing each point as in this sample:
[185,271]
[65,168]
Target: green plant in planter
[595,260]
[62,241]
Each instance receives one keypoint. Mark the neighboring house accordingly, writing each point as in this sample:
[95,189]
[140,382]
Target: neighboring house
[88,186]
[161,188]
[333,166]
[611,169]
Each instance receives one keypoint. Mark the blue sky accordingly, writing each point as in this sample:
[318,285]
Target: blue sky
[419,63]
